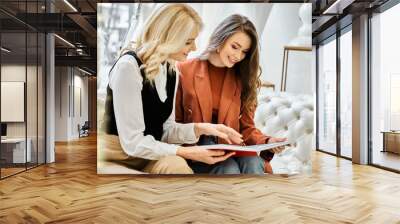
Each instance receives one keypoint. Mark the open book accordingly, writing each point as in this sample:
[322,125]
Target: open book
[247,148]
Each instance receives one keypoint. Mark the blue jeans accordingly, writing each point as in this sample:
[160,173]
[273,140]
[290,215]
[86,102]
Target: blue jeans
[233,165]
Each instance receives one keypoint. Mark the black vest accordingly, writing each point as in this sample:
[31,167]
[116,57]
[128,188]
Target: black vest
[155,111]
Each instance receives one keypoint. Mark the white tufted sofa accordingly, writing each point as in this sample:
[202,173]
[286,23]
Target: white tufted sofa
[282,114]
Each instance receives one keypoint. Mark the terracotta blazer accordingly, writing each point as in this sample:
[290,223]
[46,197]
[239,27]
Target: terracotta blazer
[194,102]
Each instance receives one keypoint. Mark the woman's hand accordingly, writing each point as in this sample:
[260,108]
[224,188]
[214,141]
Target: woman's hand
[219,130]
[277,149]
[203,155]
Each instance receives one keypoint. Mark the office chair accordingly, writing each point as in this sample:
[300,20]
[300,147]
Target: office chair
[84,130]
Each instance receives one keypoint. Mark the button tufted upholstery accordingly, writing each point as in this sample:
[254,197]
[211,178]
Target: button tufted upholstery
[282,114]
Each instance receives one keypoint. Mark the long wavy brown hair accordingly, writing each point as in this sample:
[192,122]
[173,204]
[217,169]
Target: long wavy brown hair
[248,69]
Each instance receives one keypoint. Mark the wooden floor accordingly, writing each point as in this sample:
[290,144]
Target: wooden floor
[70,191]
[10,171]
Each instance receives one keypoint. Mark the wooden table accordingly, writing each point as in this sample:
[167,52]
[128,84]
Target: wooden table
[391,141]
[13,150]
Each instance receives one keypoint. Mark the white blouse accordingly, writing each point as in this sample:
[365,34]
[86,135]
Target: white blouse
[126,83]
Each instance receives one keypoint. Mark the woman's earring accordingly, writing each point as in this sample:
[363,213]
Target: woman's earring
[217,50]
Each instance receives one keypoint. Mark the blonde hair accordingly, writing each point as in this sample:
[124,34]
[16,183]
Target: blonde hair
[165,32]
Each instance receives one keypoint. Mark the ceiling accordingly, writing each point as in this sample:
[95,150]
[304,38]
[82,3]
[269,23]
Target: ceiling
[332,15]
[72,20]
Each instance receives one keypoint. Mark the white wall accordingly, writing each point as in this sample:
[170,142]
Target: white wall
[81,84]
[277,25]
[15,72]
[61,103]
[280,29]
[67,115]
[33,126]
[12,101]
[213,14]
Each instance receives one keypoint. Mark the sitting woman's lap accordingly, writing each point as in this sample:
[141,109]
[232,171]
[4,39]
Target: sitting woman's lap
[233,165]
[251,164]
[168,165]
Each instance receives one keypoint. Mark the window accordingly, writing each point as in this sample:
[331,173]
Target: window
[346,94]
[327,97]
[385,88]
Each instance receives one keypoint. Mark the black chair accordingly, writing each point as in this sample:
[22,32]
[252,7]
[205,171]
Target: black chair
[84,130]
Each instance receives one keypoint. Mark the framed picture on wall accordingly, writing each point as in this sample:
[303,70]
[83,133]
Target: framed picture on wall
[12,101]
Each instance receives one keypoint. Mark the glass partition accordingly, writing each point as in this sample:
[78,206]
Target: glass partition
[31,99]
[385,89]
[41,96]
[327,96]
[22,88]
[14,154]
[346,94]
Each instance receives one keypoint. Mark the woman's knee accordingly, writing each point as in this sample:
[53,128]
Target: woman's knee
[229,166]
[169,165]
[251,164]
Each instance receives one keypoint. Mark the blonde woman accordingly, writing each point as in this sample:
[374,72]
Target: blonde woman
[141,97]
